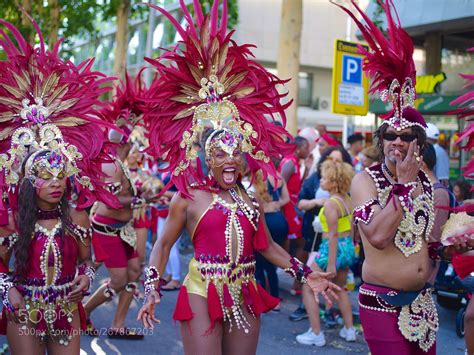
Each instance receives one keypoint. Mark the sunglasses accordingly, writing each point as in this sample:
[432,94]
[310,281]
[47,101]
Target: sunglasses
[404,137]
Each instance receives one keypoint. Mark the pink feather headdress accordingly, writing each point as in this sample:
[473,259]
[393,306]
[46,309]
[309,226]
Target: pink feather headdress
[49,104]
[207,80]
[466,111]
[389,62]
[125,108]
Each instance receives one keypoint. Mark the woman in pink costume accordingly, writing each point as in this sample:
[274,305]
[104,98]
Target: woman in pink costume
[50,149]
[209,81]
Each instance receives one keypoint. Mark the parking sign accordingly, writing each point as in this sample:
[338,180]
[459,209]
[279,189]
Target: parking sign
[349,84]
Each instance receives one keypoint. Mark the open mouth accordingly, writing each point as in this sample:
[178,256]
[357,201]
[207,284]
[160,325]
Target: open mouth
[229,175]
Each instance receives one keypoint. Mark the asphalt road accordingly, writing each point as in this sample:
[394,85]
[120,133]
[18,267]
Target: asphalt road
[277,332]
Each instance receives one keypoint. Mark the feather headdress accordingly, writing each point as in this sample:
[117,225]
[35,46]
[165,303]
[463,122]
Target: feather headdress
[389,62]
[207,80]
[466,111]
[49,104]
[125,108]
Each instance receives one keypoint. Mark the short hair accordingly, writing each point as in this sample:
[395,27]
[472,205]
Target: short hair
[339,172]
[346,157]
[465,187]
[357,137]
[300,141]
[429,156]
[372,153]
[418,131]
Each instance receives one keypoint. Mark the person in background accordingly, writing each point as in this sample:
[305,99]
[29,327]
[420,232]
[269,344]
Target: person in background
[370,156]
[325,141]
[442,158]
[356,145]
[311,161]
[442,197]
[462,191]
[311,198]
[336,253]
[273,196]
[290,171]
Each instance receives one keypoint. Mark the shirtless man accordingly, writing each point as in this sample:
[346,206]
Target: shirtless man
[114,241]
[397,264]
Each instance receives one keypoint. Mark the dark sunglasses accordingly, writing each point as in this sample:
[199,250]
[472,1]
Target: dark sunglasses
[404,137]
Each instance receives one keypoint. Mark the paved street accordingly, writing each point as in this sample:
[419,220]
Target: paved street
[277,333]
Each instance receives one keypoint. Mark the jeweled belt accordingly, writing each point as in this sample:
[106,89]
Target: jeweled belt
[35,288]
[220,268]
[126,232]
[417,320]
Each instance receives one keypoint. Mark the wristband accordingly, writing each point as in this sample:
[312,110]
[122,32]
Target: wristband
[153,282]
[89,271]
[298,270]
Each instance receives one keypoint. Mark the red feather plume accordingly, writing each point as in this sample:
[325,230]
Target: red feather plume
[70,93]
[207,49]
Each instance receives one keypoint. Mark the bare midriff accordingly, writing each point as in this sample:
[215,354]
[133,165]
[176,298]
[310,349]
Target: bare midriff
[390,268]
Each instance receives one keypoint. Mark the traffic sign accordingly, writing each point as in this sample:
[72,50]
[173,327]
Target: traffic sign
[349,83]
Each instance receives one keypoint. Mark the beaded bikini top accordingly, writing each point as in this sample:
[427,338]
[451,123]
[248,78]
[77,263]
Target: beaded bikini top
[415,225]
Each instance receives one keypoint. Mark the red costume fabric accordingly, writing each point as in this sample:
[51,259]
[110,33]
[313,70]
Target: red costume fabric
[386,339]
[224,281]
[294,187]
[111,249]
[44,255]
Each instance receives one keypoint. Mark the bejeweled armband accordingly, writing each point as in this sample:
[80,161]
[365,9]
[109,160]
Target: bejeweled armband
[89,271]
[5,285]
[298,270]
[365,212]
[81,232]
[153,282]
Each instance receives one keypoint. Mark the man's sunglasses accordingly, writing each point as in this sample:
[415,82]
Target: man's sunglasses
[404,137]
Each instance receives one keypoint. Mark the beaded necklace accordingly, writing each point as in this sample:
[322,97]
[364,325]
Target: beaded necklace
[48,214]
[50,246]
[415,225]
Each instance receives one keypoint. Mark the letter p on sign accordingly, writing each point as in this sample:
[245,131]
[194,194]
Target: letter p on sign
[351,70]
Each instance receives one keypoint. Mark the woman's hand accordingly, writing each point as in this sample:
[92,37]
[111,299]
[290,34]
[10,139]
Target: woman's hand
[82,284]
[147,312]
[319,284]
[19,314]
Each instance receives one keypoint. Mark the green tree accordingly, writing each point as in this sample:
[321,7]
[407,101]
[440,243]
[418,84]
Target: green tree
[56,18]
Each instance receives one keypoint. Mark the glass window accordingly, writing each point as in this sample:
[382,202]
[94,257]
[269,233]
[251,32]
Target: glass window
[305,92]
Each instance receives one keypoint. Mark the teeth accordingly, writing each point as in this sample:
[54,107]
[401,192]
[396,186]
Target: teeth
[229,170]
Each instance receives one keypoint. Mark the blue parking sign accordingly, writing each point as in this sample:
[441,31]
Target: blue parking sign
[351,69]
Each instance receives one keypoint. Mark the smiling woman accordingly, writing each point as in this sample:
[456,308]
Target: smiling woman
[217,85]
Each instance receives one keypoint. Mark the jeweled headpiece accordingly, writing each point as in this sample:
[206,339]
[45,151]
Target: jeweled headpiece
[207,80]
[389,63]
[47,104]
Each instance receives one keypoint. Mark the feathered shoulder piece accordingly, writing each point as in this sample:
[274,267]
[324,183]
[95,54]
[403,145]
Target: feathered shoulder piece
[125,108]
[389,63]
[208,80]
[49,104]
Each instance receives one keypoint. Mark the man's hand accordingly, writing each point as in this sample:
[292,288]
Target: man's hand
[408,168]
